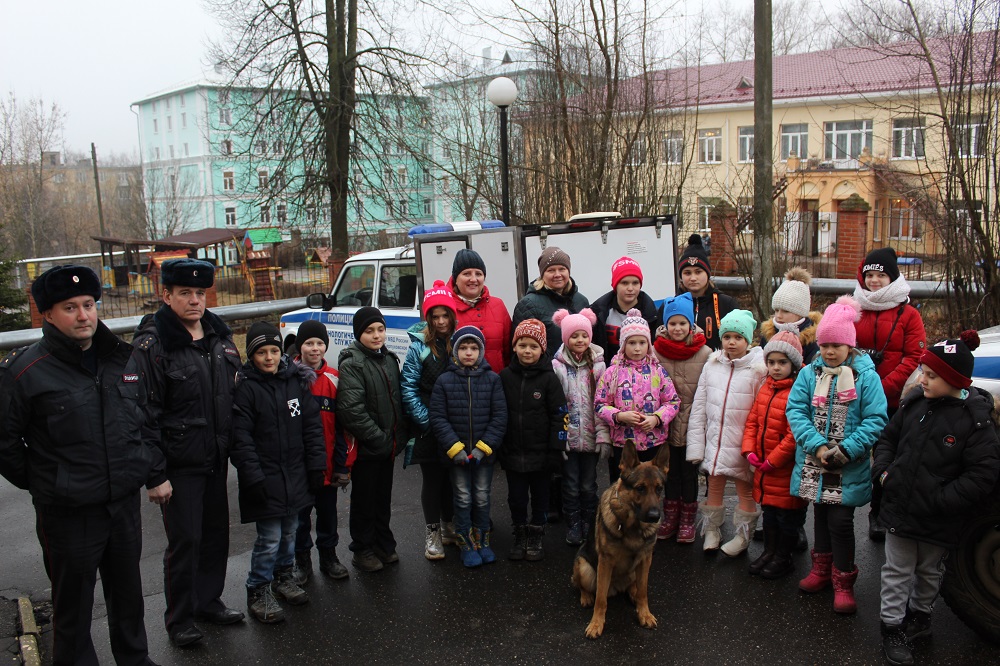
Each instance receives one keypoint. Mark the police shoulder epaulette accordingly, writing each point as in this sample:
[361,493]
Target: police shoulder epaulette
[9,358]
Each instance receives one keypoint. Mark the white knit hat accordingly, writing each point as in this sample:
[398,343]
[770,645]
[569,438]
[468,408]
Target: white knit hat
[793,294]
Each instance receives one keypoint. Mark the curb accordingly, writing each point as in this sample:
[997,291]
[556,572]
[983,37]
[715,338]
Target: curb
[28,639]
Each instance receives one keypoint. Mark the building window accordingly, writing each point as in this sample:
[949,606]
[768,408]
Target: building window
[262,147]
[156,152]
[59,178]
[403,176]
[186,153]
[427,207]
[181,98]
[223,97]
[710,146]
[705,207]
[123,193]
[265,215]
[389,212]
[794,140]
[278,182]
[903,222]
[81,177]
[386,176]
[156,107]
[279,147]
[225,117]
[231,216]
[908,138]
[673,147]
[311,215]
[637,152]
[227,147]
[282,214]
[427,180]
[228,181]
[184,118]
[446,184]
[847,139]
[171,149]
[970,137]
[404,207]
[156,126]
[170,123]
[166,103]
[123,179]
[359,177]
[745,136]
[262,180]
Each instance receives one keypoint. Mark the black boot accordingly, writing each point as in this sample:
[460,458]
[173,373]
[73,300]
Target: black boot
[801,543]
[875,531]
[330,566]
[520,539]
[533,550]
[771,533]
[916,625]
[781,563]
[895,647]
[303,566]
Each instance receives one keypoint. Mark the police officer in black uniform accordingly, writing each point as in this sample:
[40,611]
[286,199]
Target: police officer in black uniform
[189,363]
[70,421]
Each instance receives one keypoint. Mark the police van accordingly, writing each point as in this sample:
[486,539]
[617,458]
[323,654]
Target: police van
[394,280]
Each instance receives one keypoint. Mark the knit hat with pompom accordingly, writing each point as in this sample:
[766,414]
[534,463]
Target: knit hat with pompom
[952,360]
[438,296]
[571,323]
[837,325]
[634,324]
[787,343]
[793,294]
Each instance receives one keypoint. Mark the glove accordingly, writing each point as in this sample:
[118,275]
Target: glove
[257,493]
[340,479]
[476,456]
[753,460]
[457,454]
[480,451]
[315,481]
[836,457]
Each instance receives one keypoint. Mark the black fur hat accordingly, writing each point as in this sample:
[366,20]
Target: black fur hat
[63,282]
[187,273]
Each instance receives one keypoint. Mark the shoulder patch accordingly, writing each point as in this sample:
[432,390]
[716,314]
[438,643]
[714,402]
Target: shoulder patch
[9,358]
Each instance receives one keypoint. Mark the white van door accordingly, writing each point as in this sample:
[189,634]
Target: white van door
[498,249]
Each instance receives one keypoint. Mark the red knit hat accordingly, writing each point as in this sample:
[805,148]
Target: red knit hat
[952,360]
[625,267]
[531,328]
[438,296]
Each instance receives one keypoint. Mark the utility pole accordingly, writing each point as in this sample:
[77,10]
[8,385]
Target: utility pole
[97,187]
[763,159]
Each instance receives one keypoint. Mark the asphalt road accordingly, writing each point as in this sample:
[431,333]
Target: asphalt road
[710,611]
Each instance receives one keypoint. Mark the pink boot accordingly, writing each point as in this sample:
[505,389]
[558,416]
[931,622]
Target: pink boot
[819,577]
[843,591]
[671,517]
[686,530]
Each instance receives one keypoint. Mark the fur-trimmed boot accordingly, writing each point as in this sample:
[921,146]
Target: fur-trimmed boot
[745,523]
[671,519]
[771,533]
[843,591]
[711,521]
[685,529]
[470,556]
[819,576]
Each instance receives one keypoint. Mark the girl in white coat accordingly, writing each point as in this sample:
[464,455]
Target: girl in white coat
[726,391]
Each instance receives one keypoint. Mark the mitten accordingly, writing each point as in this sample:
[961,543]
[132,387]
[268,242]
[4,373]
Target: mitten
[340,479]
[836,457]
[753,460]
[480,451]
[257,493]
[315,481]
[457,453]
[766,466]
[476,456]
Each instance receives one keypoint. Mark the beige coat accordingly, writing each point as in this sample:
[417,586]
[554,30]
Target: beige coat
[685,375]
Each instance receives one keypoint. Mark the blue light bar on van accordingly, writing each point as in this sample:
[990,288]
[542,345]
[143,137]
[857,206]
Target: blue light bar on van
[445,227]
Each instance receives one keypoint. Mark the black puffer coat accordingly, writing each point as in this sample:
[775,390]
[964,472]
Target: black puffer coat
[536,416]
[608,340]
[369,401]
[941,458]
[277,439]
[541,304]
[467,406]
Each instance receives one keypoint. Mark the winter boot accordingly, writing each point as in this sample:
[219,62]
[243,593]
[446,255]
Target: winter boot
[367,561]
[520,537]
[771,533]
[895,647]
[843,591]
[671,519]
[574,535]
[801,542]
[685,530]
[448,537]
[262,605]
[482,538]
[781,563]
[283,587]
[875,530]
[330,566]
[916,625]
[711,521]
[433,548]
[819,577]
[533,550]
[470,556]
[303,566]
[587,521]
[745,523]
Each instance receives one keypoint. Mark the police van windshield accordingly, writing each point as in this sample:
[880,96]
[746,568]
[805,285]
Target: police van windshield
[356,286]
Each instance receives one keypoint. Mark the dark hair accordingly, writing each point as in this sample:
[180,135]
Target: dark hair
[430,337]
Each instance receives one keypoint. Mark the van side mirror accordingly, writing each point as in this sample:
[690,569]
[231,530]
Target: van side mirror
[317,301]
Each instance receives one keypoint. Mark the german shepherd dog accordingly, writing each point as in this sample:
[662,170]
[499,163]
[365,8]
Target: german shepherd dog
[619,549]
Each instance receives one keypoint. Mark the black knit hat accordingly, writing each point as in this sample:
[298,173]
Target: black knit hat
[883,260]
[464,260]
[364,318]
[63,282]
[312,329]
[187,273]
[694,255]
[260,335]
[952,360]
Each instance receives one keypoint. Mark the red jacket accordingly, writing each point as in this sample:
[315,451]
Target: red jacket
[340,454]
[902,350]
[767,434]
[490,316]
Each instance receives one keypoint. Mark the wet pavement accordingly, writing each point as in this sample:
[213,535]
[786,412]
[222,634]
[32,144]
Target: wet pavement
[709,609]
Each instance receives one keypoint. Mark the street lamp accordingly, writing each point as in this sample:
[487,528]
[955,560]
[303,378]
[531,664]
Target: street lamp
[502,92]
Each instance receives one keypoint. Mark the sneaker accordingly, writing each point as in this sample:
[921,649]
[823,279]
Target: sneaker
[433,547]
[366,561]
[262,605]
[283,588]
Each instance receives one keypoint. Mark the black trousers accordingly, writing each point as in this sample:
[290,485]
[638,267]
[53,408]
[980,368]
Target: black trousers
[371,506]
[682,480]
[436,496]
[834,526]
[78,543]
[522,484]
[196,520]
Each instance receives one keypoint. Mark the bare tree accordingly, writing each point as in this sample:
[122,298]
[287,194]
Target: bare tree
[798,26]
[172,201]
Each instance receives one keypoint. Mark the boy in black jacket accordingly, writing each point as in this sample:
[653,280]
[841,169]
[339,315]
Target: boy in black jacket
[536,436]
[937,459]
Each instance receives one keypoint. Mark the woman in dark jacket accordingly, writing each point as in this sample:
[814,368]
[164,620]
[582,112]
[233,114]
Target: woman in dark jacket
[710,305]
[553,290]
[626,293]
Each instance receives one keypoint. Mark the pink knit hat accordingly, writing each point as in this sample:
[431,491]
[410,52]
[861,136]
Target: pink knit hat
[837,325]
[787,343]
[571,323]
[634,324]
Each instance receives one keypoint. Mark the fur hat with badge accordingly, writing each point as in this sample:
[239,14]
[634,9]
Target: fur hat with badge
[787,343]
[260,335]
[61,283]
[694,255]
[531,328]
[571,323]
[793,294]
[186,272]
[952,360]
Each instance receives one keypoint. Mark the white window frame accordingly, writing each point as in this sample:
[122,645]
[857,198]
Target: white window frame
[673,147]
[971,129]
[226,147]
[186,151]
[637,152]
[184,119]
[710,146]
[908,138]
[230,216]
[156,126]
[403,176]
[282,212]
[228,181]
[427,207]
[900,220]
[856,134]
[170,123]
[225,117]
[795,140]
[265,215]
[744,135]
[263,178]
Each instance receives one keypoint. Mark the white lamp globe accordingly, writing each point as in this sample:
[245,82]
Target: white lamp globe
[501,92]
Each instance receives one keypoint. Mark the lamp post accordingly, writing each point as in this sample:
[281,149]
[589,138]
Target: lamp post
[502,92]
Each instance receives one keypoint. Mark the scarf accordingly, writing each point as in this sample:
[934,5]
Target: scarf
[888,297]
[471,302]
[679,351]
[793,327]
[845,385]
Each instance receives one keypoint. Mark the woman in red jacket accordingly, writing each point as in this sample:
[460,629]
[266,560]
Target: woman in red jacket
[475,307]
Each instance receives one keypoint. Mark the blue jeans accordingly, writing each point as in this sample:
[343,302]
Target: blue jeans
[326,522]
[579,485]
[472,484]
[273,549]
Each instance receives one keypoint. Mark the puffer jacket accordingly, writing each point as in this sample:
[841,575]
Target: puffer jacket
[340,454]
[541,303]
[709,310]
[684,373]
[902,350]
[768,436]
[636,386]
[864,421]
[940,458]
[536,416]
[277,439]
[369,406]
[606,337]
[585,433]
[490,316]
[467,406]
[421,370]
[726,393]
[807,335]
